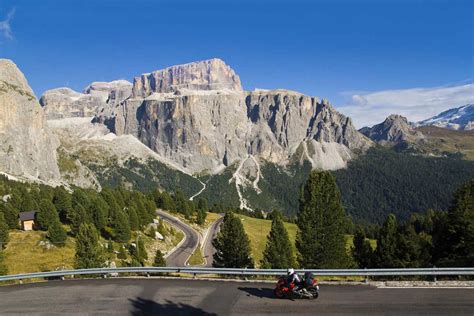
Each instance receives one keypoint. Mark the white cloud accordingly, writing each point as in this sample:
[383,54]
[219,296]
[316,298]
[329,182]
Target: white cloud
[367,109]
[5,28]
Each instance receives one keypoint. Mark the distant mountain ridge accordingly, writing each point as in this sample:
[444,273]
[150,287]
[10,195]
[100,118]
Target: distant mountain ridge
[460,118]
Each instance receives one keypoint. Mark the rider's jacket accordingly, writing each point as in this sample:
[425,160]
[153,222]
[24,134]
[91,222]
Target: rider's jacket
[294,278]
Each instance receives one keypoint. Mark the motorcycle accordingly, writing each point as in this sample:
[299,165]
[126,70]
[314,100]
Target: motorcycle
[309,288]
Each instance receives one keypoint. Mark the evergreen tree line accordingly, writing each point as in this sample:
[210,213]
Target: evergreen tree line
[425,240]
[385,182]
[436,238]
[178,203]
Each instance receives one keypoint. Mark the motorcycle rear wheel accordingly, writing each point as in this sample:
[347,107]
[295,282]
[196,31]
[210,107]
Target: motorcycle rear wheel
[278,293]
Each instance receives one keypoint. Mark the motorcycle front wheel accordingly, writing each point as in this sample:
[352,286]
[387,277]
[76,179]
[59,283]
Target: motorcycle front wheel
[314,294]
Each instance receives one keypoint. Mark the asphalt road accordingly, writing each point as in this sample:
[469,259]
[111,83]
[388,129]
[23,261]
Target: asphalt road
[195,297]
[180,256]
[209,250]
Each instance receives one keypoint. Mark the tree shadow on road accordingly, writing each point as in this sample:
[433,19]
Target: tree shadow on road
[259,292]
[143,306]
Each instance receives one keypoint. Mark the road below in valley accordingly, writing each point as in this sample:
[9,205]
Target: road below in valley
[209,250]
[135,296]
[180,255]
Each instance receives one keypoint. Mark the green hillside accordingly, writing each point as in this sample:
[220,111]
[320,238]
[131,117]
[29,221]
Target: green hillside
[442,141]
[384,181]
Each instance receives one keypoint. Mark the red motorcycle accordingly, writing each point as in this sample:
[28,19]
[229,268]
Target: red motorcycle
[308,288]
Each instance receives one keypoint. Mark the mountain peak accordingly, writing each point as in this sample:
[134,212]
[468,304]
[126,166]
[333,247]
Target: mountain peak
[395,128]
[10,74]
[210,74]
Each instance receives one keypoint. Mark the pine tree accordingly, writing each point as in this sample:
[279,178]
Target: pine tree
[454,238]
[362,251]
[386,252]
[47,214]
[320,238]
[278,253]
[232,245]
[63,202]
[138,252]
[3,266]
[201,212]
[4,238]
[159,259]
[56,233]
[11,215]
[121,226]
[89,253]
[99,211]
[166,202]
[133,218]
[77,217]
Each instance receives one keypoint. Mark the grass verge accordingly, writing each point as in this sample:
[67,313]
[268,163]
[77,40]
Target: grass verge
[197,257]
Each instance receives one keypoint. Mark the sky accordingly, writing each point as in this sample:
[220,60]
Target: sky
[369,58]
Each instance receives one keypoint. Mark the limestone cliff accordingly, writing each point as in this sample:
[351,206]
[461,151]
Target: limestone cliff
[98,100]
[207,122]
[27,147]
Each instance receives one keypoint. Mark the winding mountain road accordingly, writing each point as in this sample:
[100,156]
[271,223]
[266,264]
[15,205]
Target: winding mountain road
[153,296]
[208,249]
[180,256]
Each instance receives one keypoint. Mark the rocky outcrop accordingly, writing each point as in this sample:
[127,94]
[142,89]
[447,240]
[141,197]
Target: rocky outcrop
[395,129]
[98,100]
[27,147]
[212,74]
[209,130]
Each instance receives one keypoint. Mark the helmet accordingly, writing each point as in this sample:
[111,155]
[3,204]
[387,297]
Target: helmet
[290,271]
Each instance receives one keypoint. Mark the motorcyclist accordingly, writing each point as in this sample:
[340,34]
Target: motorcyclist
[293,278]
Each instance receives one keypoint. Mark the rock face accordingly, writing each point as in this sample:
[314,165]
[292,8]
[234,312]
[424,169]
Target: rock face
[461,118]
[27,147]
[198,116]
[395,129]
[212,74]
[99,100]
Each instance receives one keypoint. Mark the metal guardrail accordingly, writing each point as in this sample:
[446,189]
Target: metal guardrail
[244,272]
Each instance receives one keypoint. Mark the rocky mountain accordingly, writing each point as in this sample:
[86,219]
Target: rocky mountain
[198,116]
[27,146]
[395,129]
[461,118]
[98,100]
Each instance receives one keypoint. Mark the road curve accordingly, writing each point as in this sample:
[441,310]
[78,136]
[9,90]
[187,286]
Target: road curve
[207,247]
[180,256]
[197,297]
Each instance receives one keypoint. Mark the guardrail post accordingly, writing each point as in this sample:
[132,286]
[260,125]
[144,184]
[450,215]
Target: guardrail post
[366,280]
[194,275]
[21,281]
[104,276]
[148,274]
[434,276]
[62,277]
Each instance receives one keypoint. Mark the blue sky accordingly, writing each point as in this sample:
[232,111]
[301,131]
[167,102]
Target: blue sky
[333,49]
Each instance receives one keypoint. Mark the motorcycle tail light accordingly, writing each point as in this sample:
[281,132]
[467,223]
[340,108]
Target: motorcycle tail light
[315,282]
